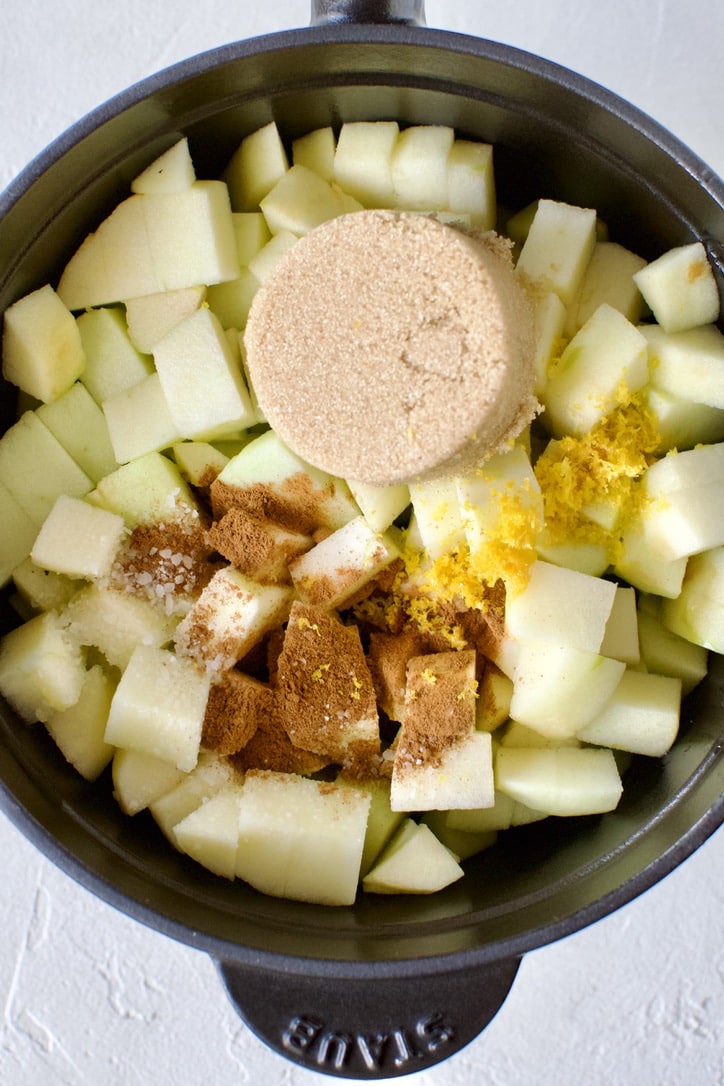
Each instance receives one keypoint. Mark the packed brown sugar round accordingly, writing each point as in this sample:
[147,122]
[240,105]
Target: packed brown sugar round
[316,486]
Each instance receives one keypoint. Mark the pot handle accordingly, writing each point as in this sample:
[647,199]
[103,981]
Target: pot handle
[407,12]
[369,1027]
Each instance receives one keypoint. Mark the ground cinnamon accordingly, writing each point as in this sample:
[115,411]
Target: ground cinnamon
[326,696]
[439,706]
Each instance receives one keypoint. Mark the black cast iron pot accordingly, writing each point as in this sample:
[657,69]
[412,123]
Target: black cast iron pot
[391,985]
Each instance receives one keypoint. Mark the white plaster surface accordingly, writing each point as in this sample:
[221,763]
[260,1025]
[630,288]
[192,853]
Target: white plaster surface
[91,998]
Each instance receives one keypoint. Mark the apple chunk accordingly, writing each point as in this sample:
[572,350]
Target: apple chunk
[441,761]
[79,731]
[42,668]
[414,862]
[201,380]
[158,707]
[78,539]
[536,614]
[301,839]
[558,689]
[563,781]
[210,834]
[230,616]
[42,349]
[332,572]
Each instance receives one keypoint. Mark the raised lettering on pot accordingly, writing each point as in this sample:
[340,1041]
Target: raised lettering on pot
[309,1037]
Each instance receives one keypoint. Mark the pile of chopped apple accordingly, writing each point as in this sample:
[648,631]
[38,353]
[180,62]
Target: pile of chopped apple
[315,685]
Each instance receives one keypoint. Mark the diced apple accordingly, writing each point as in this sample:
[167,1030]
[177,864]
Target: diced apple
[78,539]
[438,515]
[483,819]
[251,233]
[486,495]
[520,735]
[640,562]
[608,278]
[41,348]
[301,839]
[147,490]
[209,776]
[460,842]
[688,364]
[495,691]
[263,264]
[36,469]
[79,424]
[141,779]
[606,358]
[419,167]
[41,589]
[79,730]
[697,613]
[414,862]
[139,420]
[550,314]
[382,821]
[18,535]
[680,288]
[642,715]
[558,247]
[538,613]
[684,491]
[589,558]
[681,423]
[380,505]
[199,462]
[158,707]
[256,166]
[665,653]
[42,668]
[292,492]
[231,301]
[558,689]
[450,764]
[257,547]
[471,182]
[172,171]
[115,622]
[152,243]
[564,781]
[113,363]
[316,151]
[151,316]
[302,200]
[201,380]
[333,571]
[362,161]
[621,637]
[230,616]
[210,834]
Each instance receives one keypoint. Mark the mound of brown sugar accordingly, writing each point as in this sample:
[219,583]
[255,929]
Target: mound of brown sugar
[387,347]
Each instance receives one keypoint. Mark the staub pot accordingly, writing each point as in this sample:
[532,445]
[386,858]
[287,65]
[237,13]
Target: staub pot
[391,985]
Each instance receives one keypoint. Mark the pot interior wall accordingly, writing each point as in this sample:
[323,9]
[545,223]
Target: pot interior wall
[538,881]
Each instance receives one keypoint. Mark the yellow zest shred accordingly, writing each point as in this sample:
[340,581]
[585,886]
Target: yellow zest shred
[603,466]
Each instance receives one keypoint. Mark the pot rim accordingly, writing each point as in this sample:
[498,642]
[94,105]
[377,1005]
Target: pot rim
[364,34]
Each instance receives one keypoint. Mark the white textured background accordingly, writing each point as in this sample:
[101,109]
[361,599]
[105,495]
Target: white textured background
[90,998]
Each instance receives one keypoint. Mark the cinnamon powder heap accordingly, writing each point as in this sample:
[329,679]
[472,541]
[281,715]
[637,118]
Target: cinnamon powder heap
[238,705]
[296,503]
[439,707]
[257,546]
[169,563]
[326,698]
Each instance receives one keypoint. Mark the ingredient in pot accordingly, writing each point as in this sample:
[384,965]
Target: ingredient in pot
[317,683]
[394,347]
